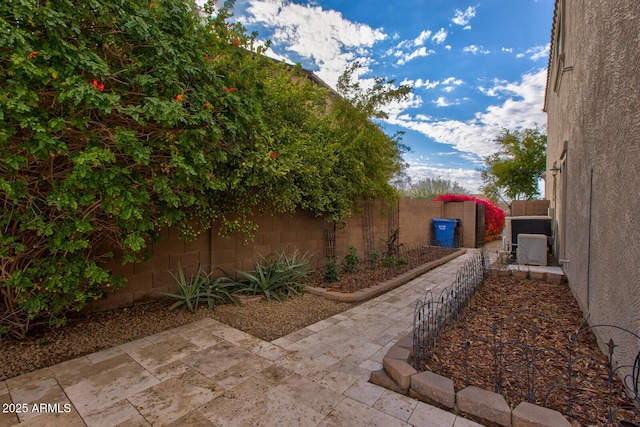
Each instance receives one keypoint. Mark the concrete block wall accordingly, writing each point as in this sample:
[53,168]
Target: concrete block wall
[466,213]
[415,220]
[219,255]
[529,207]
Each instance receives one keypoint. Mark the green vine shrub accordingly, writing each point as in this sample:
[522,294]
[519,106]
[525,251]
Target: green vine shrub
[120,118]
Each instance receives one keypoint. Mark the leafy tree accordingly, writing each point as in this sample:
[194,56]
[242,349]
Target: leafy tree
[371,159]
[513,172]
[430,188]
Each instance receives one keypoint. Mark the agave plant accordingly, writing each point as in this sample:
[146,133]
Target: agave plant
[276,277]
[201,287]
[219,291]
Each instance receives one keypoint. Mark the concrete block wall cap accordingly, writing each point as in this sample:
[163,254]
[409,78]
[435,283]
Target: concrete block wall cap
[399,371]
[529,415]
[484,405]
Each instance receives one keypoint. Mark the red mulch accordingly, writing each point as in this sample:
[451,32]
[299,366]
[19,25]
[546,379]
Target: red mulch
[506,304]
[370,271]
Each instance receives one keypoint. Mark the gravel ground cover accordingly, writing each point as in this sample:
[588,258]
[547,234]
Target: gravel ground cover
[265,320]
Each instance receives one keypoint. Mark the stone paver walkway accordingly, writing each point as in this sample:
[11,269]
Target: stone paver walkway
[209,374]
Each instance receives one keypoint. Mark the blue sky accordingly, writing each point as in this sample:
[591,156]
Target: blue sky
[476,67]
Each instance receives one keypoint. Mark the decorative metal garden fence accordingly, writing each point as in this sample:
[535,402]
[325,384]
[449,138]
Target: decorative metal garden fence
[519,358]
[432,315]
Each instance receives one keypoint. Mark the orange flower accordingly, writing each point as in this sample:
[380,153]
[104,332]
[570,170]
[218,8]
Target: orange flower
[99,86]
[152,5]
[206,105]
[274,155]
[229,89]
[206,56]
[236,42]
[33,54]
[179,97]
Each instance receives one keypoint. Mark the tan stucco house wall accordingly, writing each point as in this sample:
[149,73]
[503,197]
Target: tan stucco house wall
[593,159]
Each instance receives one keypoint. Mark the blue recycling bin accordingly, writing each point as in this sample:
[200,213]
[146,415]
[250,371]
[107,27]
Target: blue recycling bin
[444,232]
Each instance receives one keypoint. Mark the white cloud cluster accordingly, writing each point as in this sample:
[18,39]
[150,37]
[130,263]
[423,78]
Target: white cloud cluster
[424,168]
[422,51]
[475,49]
[424,36]
[443,102]
[449,83]
[331,42]
[538,52]
[463,18]
[440,36]
[522,108]
[416,47]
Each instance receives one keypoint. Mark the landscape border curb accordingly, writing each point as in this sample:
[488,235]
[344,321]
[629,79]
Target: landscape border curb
[387,285]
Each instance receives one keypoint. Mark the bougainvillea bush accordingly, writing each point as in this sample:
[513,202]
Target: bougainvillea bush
[494,216]
[118,118]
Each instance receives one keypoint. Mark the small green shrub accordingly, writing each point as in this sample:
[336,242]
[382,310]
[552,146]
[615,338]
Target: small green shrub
[332,273]
[394,262]
[352,260]
[277,277]
[201,287]
[388,262]
[374,257]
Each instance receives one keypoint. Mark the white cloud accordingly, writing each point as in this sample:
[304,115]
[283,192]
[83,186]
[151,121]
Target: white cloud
[331,42]
[507,49]
[415,54]
[462,18]
[538,52]
[418,84]
[419,41]
[475,49]
[443,102]
[398,108]
[522,109]
[423,168]
[440,36]
[452,81]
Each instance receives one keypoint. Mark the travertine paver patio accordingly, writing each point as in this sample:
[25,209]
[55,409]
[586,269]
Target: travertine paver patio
[209,374]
